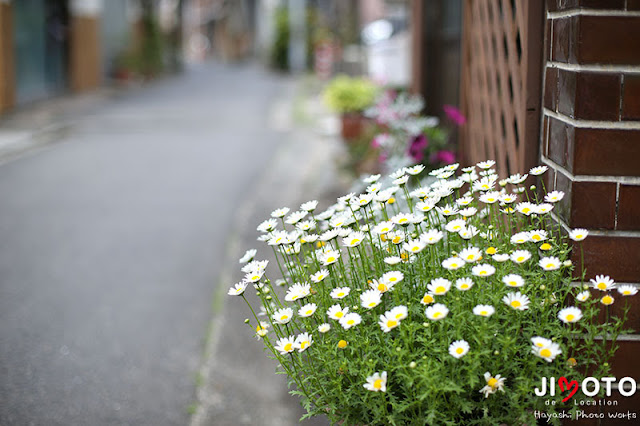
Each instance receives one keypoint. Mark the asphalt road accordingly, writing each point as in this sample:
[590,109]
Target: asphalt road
[110,243]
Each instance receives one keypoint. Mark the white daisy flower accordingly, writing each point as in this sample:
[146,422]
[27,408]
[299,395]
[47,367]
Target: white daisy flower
[307,310]
[603,283]
[540,342]
[370,298]
[427,299]
[464,284]
[350,320]
[262,329]
[520,256]
[468,212]
[520,238]
[377,382]
[549,263]
[483,270]
[392,260]
[469,169]
[439,286]
[381,286]
[238,288]
[490,197]
[297,291]
[538,170]
[353,239]
[554,196]
[526,208]
[508,198]
[468,232]
[548,351]
[583,296]
[402,219]
[383,227]
[320,275]
[484,310]
[607,300]
[399,312]
[628,290]
[268,225]
[494,384]
[324,327]
[254,276]
[432,236]
[374,188]
[248,256]
[387,322]
[455,225]
[453,263]
[401,180]
[513,280]
[283,316]
[543,208]
[425,206]
[336,312]
[448,210]
[578,234]
[538,235]
[329,257]
[295,217]
[517,179]
[570,314]
[500,257]
[309,206]
[286,345]
[458,349]
[392,277]
[281,212]
[414,246]
[340,292]
[436,312]
[362,200]
[486,164]
[470,254]
[464,201]
[303,341]
[415,170]
[484,184]
[517,301]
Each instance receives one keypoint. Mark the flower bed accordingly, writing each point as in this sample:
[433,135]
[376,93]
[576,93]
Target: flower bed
[439,304]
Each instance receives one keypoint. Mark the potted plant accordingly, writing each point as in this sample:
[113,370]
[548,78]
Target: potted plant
[449,303]
[349,97]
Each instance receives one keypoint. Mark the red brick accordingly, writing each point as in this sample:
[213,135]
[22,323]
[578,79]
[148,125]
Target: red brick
[554,5]
[593,205]
[606,152]
[545,137]
[625,361]
[564,36]
[597,96]
[633,4]
[618,257]
[608,40]
[566,92]
[561,143]
[629,208]
[563,207]
[631,97]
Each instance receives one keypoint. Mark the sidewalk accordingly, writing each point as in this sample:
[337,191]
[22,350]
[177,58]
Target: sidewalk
[240,384]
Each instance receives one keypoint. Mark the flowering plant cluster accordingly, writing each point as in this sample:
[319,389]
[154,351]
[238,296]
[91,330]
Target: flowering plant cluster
[405,137]
[438,304]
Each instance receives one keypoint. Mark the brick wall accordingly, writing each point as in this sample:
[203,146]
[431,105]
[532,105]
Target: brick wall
[591,141]
[7,80]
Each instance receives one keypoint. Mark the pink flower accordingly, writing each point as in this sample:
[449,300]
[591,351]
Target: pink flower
[444,156]
[454,114]
[417,147]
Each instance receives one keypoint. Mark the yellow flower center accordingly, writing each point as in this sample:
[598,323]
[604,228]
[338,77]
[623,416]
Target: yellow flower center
[339,314]
[607,300]
[516,304]
[513,283]
[546,353]
[626,292]
[440,290]
[427,299]
[372,304]
[331,259]
[464,286]
[284,317]
[393,279]
[404,256]
[391,200]
[437,314]
[288,347]
[459,351]
[483,313]
[341,294]
[383,237]
[396,240]
[545,246]
[377,384]
[482,273]
[470,257]
[492,382]
[520,259]
[415,248]
[454,265]
[578,236]
[304,344]
[399,316]
[392,323]
[382,288]
[351,322]
[342,344]
[536,237]
[526,210]
[602,286]
[309,312]
[492,250]
[402,220]
[551,265]
[570,317]
[355,241]
[320,244]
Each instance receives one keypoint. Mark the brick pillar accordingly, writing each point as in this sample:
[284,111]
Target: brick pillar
[85,58]
[591,143]
[7,74]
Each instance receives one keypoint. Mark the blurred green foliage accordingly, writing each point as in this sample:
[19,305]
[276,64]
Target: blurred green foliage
[346,94]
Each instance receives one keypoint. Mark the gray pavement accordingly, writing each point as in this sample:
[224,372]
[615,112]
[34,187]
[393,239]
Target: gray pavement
[114,241]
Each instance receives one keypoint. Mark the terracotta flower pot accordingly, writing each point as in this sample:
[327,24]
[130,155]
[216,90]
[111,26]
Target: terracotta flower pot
[353,124]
